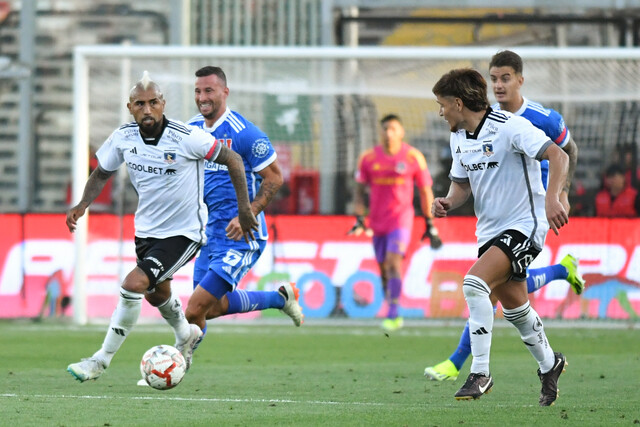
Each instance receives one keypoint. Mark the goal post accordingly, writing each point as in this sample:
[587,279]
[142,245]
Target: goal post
[322,104]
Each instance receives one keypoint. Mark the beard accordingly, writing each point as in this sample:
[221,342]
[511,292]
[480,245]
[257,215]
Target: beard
[150,127]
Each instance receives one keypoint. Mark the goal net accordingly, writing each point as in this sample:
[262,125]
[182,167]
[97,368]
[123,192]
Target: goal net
[321,106]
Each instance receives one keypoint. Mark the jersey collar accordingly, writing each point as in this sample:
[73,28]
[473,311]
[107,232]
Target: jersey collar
[523,107]
[476,132]
[218,122]
[154,141]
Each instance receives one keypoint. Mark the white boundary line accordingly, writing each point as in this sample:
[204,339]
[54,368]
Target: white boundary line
[188,399]
[240,400]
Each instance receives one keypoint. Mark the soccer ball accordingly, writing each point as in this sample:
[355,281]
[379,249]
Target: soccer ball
[163,367]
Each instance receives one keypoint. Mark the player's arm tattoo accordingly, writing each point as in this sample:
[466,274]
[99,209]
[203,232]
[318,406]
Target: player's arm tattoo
[572,150]
[266,192]
[234,164]
[94,185]
[272,181]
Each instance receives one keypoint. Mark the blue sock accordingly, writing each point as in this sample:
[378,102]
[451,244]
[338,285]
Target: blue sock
[539,277]
[464,348]
[241,301]
[204,332]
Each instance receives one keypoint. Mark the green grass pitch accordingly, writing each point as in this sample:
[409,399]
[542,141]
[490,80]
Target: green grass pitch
[328,374]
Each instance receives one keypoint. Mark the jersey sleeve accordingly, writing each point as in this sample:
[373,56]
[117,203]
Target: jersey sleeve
[255,147]
[556,129]
[526,138]
[422,177]
[201,145]
[109,156]
[362,172]
[457,172]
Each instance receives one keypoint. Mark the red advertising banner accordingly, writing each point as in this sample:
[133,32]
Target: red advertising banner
[337,273]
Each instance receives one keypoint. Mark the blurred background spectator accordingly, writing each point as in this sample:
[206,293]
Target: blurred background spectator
[617,198]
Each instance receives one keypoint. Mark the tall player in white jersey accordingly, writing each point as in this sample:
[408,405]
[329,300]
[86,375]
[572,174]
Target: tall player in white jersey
[495,158]
[164,159]
[222,263]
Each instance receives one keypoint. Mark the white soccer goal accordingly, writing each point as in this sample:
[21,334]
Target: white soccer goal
[322,104]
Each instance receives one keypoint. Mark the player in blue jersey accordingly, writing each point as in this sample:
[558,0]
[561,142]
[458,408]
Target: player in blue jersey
[505,70]
[223,261]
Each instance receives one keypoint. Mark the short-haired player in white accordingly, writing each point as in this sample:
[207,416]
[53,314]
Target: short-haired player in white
[164,159]
[496,158]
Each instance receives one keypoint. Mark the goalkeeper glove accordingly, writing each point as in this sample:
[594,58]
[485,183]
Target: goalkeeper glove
[359,227]
[431,233]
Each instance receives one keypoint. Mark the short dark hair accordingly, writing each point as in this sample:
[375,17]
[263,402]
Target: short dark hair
[211,70]
[614,169]
[390,117]
[466,84]
[507,58]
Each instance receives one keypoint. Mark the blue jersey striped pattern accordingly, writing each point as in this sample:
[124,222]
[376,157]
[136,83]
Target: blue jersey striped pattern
[549,121]
[257,153]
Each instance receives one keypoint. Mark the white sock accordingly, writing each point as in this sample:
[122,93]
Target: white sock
[172,312]
[527,321]
[476,292]
[123,319]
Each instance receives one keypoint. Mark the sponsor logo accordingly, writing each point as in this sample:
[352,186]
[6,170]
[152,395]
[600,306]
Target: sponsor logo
[477,166]
[134,150]
[174,137]
[492,165]
[170,172]
[213,166]
[470,150]
[506,240]
[458,150]
[156,262]
[232,257]
[483,388]
[481,331]
[145,168]
[131,134]
[491,128]
[537,325]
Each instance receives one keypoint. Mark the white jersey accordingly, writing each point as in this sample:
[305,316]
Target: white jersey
[501,163]
[168,174]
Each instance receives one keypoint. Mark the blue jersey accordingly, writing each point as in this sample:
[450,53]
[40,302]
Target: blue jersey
[549,121]
[257,153]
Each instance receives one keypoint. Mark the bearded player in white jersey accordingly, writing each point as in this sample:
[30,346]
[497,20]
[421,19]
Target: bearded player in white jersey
[496,158]
[164,159]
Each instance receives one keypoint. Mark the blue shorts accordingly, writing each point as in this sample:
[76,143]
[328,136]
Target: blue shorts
[229,259]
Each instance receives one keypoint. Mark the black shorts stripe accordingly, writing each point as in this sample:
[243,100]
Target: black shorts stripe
[520,249]
[189,252]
